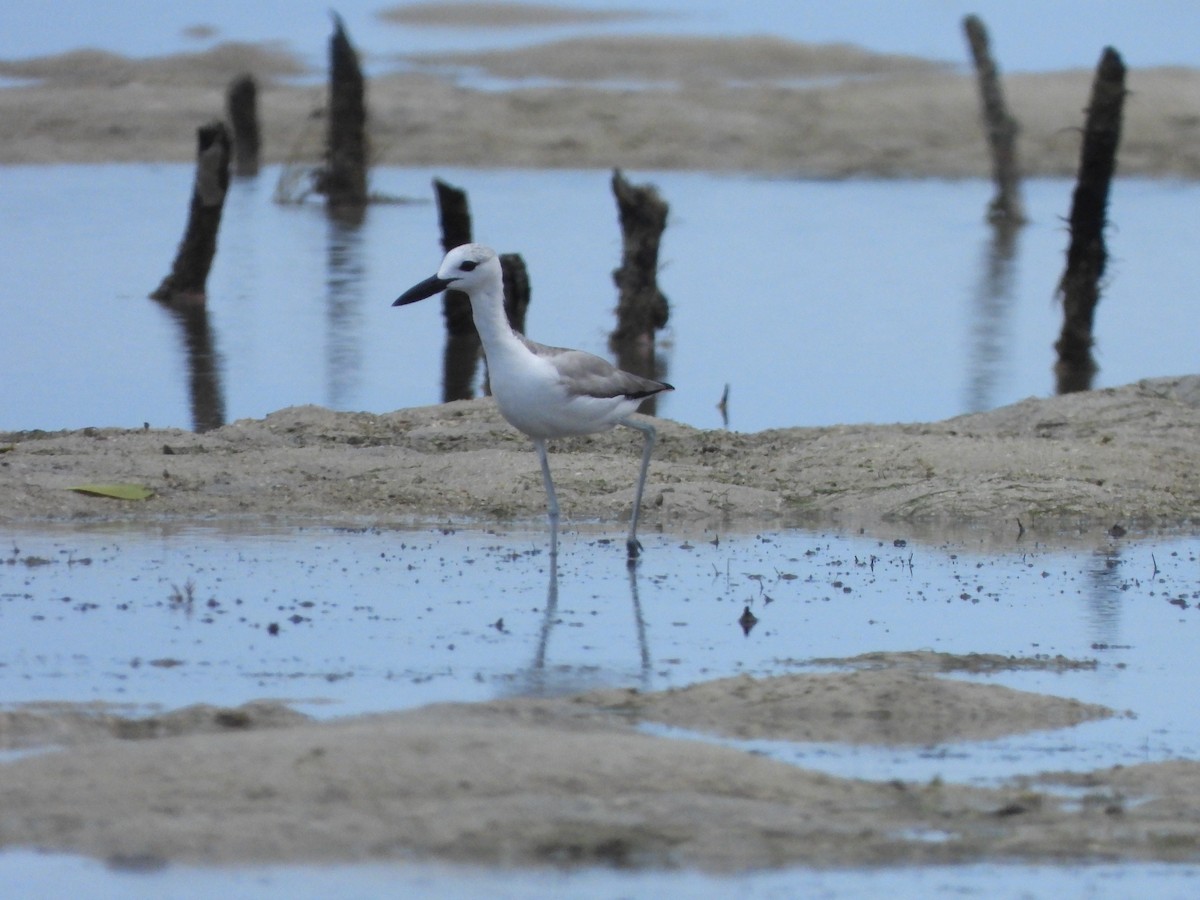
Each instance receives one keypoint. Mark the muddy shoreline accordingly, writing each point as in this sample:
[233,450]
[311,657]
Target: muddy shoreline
[557,782]
[1046,467]
[569,781]
[752,105]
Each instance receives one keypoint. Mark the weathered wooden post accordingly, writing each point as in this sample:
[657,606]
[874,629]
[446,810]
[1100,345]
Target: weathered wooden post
[516,289]
[454,218]
[241,107]
[454,215]
[461,358]
[1006,207]
[193,260]
[641,306]
[1086,254]
[343,181]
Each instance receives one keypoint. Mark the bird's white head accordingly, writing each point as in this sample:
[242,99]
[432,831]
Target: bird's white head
[463,269]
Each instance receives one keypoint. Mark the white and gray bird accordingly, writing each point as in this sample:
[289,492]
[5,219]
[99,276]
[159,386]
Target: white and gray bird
[545,392]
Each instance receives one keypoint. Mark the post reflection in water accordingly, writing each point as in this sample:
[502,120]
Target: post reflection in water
[344,278]
[993,304]
[206,397]
[1107,589]
[539,681]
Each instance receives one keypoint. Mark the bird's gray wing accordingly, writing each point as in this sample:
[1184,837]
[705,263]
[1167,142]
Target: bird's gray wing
[587,375]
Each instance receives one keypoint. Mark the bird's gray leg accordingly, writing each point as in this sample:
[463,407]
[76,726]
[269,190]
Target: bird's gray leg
[551,498]
[648,432]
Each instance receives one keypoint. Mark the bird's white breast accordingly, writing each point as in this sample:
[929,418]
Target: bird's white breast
[532,396]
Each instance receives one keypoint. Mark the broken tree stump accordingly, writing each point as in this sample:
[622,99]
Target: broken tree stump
[461,357]
[516,289]
[241,108]
[193,260]
[1001,128]
[343,180]
[1087,254]
[454,216]
[642,308]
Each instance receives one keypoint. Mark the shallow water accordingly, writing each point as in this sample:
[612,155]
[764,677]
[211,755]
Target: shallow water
[372,620]
[344,622]
[816,302]
[75,877]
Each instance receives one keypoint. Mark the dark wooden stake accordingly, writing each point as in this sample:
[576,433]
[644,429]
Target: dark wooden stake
[516,289]
[343,181]
[1086,254]
[241,107]
[461,358]
[641,306]
[1001,129]
[454,217]
[193,260]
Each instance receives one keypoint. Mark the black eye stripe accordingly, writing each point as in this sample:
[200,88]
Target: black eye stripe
[468,265]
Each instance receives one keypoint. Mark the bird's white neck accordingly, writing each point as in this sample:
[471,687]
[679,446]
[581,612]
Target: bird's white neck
[487,309]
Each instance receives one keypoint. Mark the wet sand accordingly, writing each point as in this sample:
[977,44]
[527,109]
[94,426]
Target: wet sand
[569,781]
[1074,463]
[561,782]
[754,104]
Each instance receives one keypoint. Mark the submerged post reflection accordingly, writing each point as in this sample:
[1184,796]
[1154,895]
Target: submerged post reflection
[207,399]
[345,273]
[993,305]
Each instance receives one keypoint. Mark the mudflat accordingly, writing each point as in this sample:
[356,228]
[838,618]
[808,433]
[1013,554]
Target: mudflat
[569,781]
[751,104]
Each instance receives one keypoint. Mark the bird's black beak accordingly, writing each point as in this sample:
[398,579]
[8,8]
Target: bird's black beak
[427,288]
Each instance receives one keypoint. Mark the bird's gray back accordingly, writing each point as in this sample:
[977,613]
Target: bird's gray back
[587,375]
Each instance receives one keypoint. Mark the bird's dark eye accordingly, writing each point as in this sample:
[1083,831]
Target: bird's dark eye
[468,265]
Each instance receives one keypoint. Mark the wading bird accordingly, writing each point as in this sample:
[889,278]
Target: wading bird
[545,392]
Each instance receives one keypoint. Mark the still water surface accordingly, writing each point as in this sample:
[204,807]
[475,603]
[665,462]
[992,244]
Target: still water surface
[350,621]
[816,302]
[375,620]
